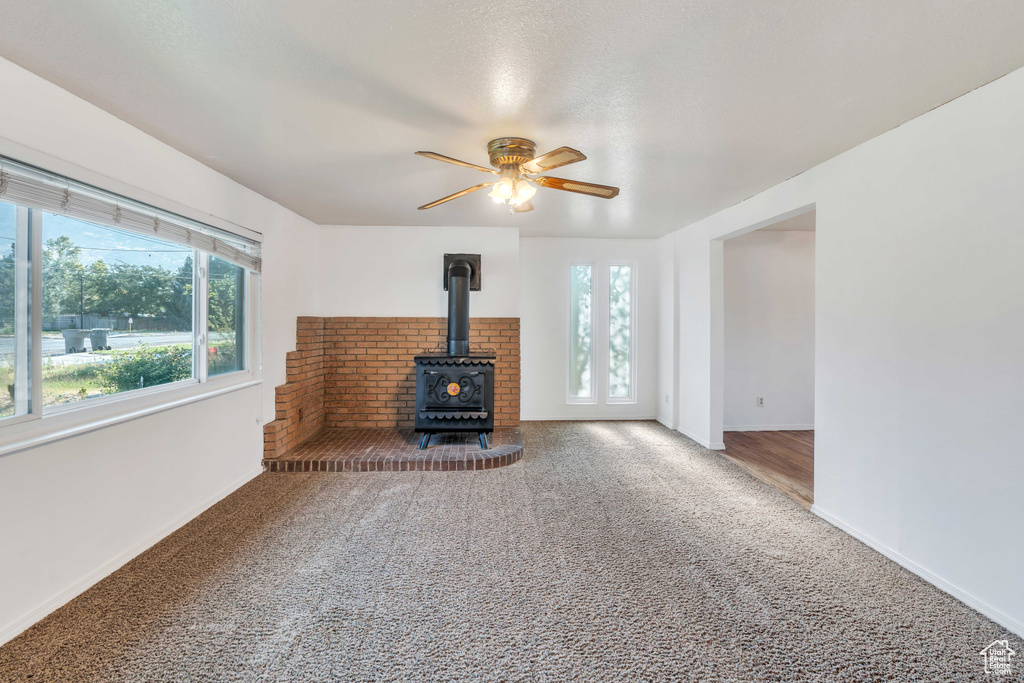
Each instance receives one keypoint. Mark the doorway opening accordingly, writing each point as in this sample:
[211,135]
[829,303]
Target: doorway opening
[768,354]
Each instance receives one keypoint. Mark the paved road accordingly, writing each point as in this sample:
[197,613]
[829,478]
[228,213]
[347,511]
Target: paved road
[53,346]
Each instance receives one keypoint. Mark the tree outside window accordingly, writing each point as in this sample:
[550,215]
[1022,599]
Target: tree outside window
[96,279]
[226,317]
[619,331]
[580,319]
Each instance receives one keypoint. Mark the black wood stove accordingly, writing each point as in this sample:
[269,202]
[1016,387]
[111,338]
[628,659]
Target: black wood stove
[455,387]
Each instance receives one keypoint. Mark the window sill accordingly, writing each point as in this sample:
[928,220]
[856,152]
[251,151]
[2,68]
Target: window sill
[30,431]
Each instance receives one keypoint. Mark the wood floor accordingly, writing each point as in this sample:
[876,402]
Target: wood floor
[784,460]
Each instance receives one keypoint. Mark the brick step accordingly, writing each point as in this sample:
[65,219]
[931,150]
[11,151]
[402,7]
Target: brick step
[397,450]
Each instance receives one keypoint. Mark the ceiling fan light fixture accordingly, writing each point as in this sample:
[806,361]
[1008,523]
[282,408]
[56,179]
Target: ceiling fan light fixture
[513,159]
[524,191]
[502,191]
[509,188]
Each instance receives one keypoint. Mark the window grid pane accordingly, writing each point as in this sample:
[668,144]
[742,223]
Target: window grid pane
[8,309]
[619,331]
[580,341]
[226,314]
[116,311]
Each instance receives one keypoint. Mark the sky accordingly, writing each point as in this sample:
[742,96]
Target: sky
[99,242]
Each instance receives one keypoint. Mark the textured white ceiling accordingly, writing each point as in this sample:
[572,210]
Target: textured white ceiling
[688,105]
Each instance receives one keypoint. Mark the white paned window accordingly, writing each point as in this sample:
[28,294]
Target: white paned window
[620,333]
[581,344]
[102,298]
[602,333]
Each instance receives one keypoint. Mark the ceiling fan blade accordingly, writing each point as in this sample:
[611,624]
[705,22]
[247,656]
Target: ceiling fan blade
[441,157]
[460,193]
[553,159]
[592,189]
[524,207]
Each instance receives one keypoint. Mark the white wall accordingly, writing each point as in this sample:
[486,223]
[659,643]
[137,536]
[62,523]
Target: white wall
[668,332]
[399,271]
[919,320]
[544,302]
[76,509]
[769,331]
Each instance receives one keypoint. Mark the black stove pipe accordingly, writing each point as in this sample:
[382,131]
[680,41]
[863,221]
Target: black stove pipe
[459,274]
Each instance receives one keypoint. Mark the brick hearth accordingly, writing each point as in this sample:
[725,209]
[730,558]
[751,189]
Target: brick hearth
[397,450]
[358,374]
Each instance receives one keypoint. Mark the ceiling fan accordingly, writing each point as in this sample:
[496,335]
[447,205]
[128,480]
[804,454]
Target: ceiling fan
[514,160]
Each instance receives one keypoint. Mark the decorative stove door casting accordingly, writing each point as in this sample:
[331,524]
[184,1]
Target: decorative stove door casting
[468,388]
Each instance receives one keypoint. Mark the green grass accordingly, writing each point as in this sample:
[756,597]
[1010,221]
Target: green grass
[61,383]
[67,383]
[6,388]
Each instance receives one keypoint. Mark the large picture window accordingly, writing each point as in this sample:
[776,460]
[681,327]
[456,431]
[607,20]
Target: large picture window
[99,296]
[581,355]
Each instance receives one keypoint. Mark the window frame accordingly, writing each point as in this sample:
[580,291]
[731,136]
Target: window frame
[594,373]
[631,398]
[41,424]
[27,315]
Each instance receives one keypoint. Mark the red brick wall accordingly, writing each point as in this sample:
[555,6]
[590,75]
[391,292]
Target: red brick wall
[371,378]
[359,372]
[299,409]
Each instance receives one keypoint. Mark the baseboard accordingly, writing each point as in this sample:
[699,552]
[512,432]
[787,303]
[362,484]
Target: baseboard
[989,611]
[577,418]
[110,566]
[703,442]
[768,428]
[665,424]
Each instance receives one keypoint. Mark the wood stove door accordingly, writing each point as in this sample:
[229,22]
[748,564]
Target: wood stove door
[454,389]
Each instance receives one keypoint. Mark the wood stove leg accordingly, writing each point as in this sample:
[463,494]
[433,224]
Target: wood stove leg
[484,446]
[424,441]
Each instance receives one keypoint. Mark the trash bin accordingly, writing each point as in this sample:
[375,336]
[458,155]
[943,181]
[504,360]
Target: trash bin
[74,340]
[98,338]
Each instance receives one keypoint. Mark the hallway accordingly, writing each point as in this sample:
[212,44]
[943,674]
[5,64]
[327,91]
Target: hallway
[782,459]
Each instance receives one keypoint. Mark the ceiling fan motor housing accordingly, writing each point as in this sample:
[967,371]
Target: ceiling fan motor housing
[510,151]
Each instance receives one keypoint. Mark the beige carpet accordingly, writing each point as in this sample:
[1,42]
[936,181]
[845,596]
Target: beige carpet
[613,551]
